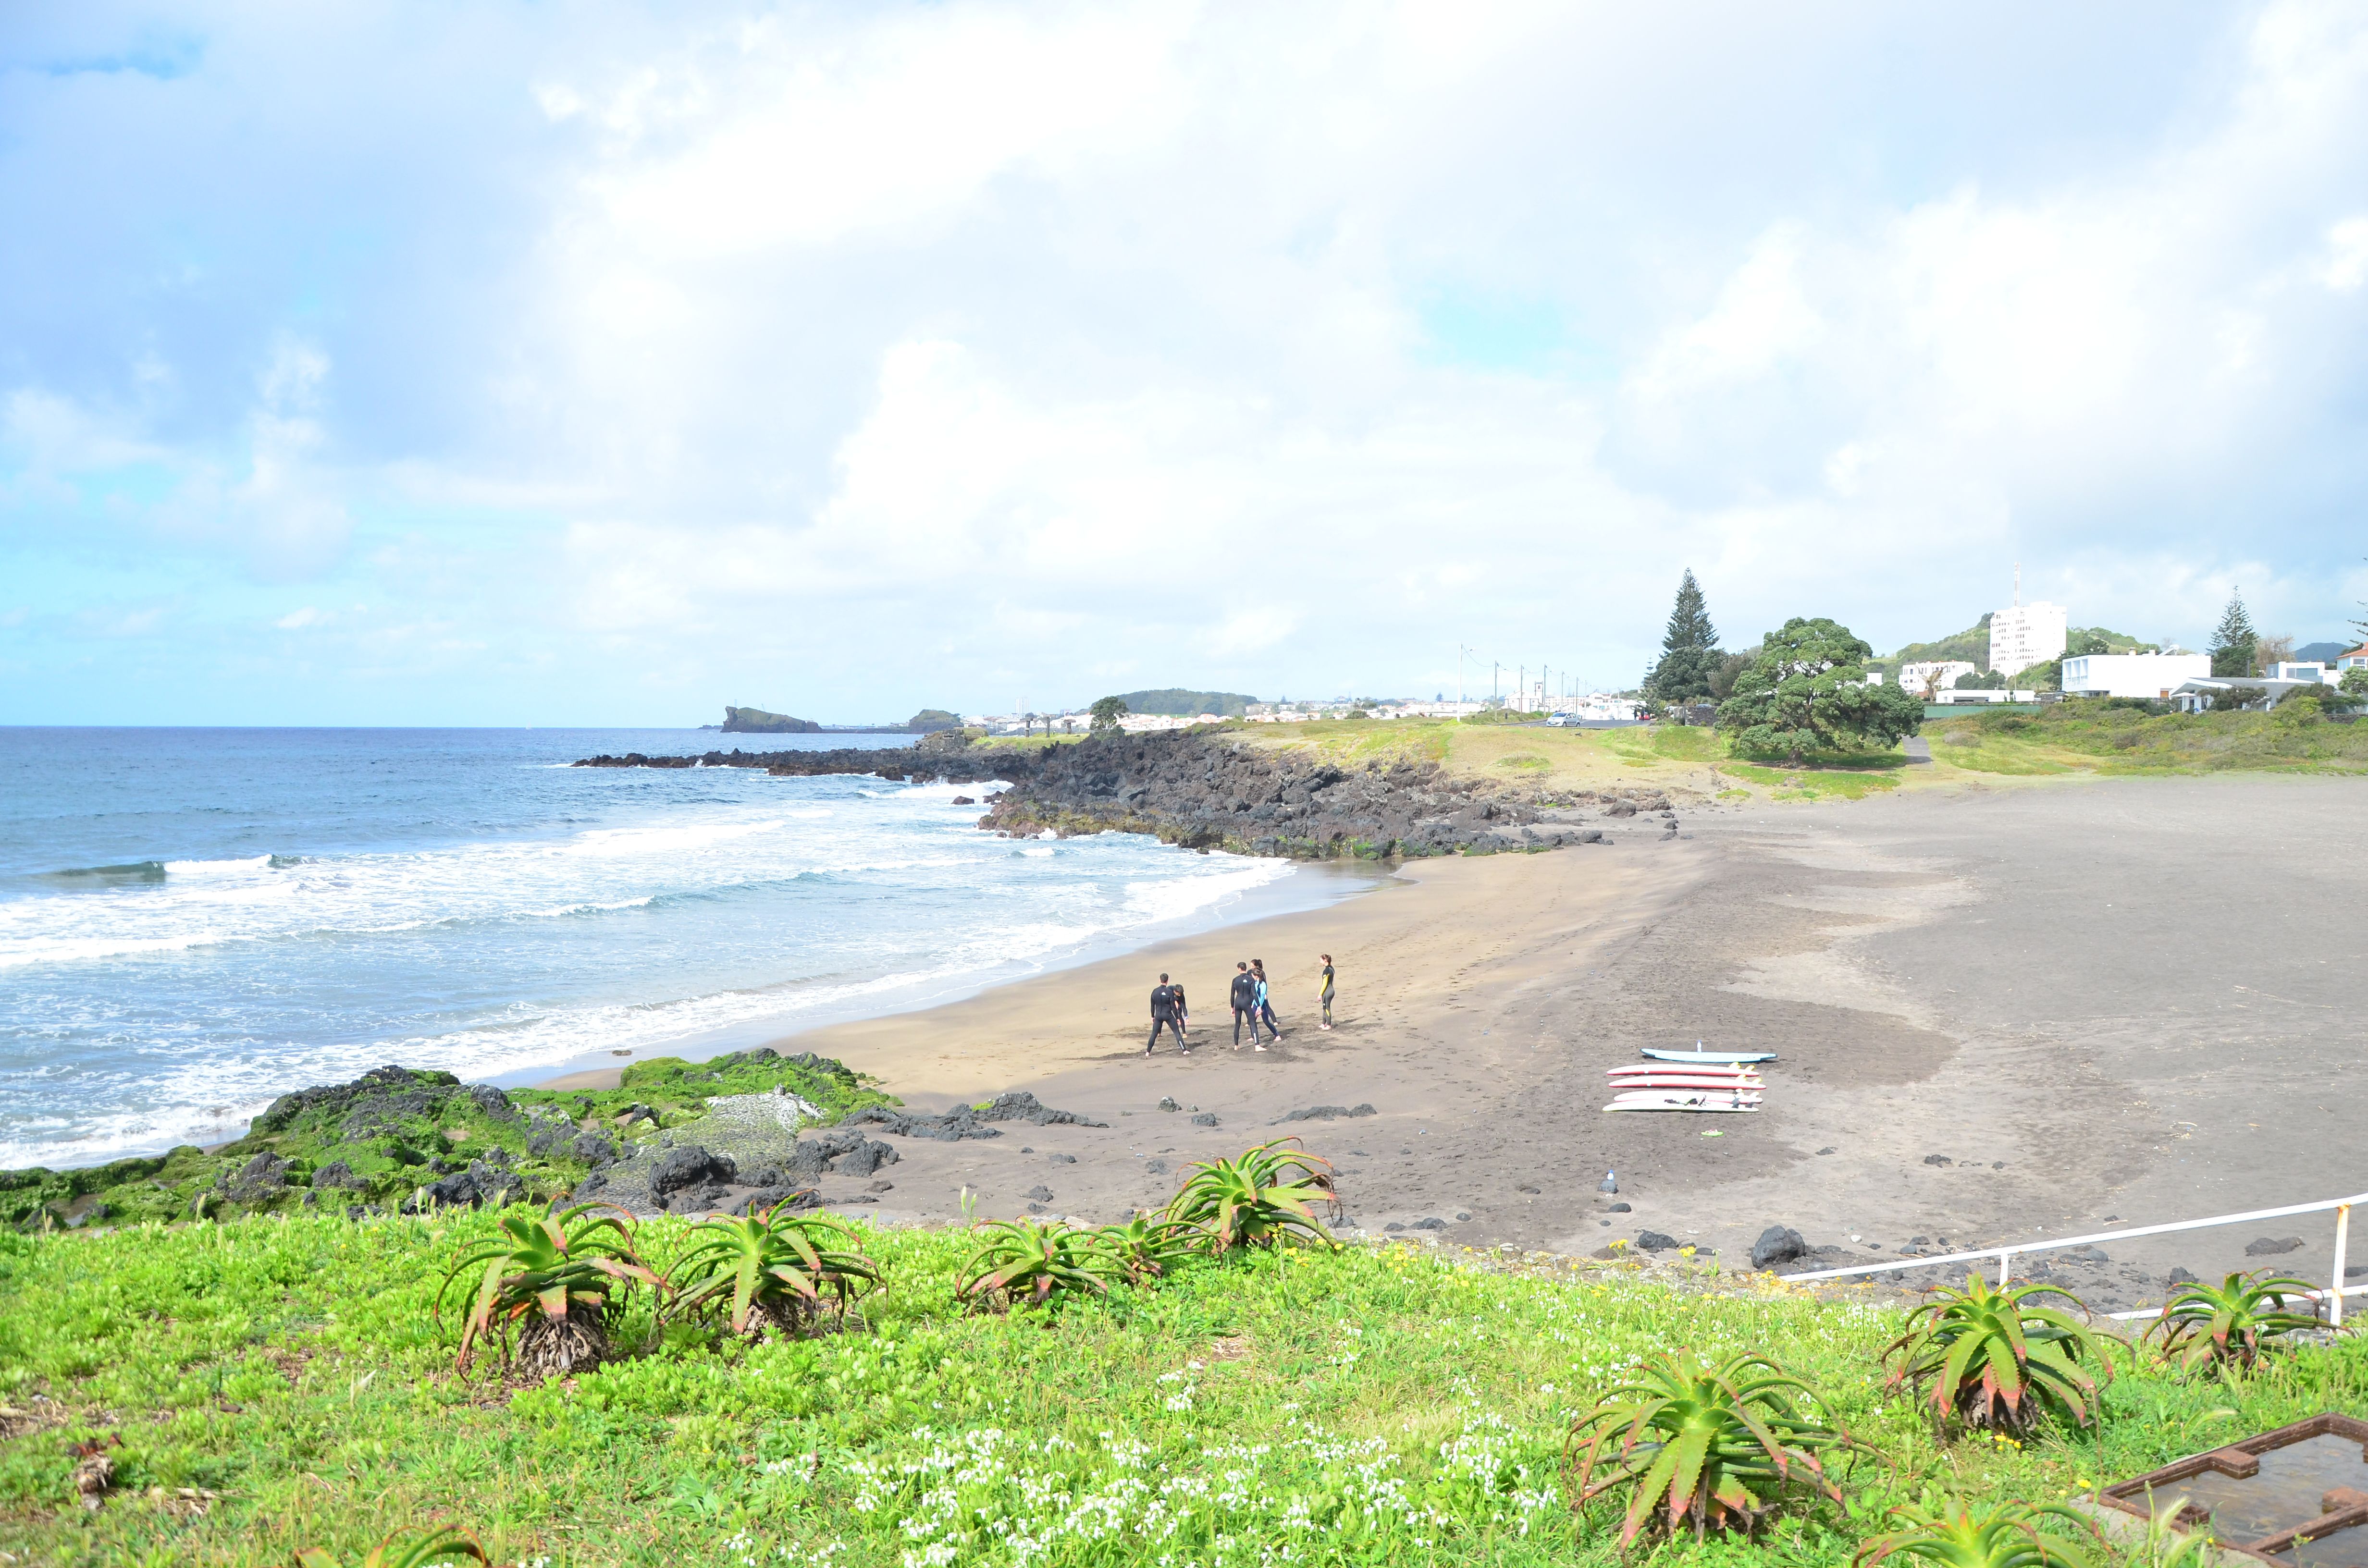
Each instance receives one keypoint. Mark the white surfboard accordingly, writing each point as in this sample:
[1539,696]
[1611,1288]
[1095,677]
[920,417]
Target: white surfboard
[1679,1101]
[1708,1058]
[1688,1081]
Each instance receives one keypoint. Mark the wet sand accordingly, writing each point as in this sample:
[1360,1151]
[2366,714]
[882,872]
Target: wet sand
[2001,1014]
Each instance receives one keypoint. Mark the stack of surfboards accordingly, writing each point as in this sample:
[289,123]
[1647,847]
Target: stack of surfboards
[1713,1081]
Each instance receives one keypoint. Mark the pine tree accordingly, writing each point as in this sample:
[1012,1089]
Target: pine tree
[2235,640]
[1688,649]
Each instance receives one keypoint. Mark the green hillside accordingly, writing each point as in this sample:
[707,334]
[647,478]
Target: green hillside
[1973,644]
[1176,702]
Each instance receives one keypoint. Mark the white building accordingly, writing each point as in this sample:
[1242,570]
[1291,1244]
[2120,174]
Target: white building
[1933,675]
[2355,660]
[2023,634]
[2155,675]
[2313,673]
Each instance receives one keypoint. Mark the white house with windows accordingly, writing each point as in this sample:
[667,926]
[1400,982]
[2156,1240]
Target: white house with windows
[2355,660]
[2154,675]
[1925,675]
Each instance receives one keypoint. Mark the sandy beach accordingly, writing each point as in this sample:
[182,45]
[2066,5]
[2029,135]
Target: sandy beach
[2000,1014]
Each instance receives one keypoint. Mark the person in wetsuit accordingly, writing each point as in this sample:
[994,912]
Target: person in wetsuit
[1323,993]
[1163,1016]
[1265,1002]
[1244,1001]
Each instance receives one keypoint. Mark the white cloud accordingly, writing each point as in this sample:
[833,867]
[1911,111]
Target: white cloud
[2346,267]
[1034,338]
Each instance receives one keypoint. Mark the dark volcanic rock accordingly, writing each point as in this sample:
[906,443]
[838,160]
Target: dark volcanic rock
[968,1122]
[2271,1247]
[264,1176]
[1326,1113]
[1655,1240]
[339,1175]
[1776,1247]
[689,1167]
[1210,791]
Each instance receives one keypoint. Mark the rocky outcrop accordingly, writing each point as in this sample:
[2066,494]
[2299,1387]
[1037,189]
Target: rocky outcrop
[1212,791]
[757,721]
[1207,792]
[968,1122]
[952,763]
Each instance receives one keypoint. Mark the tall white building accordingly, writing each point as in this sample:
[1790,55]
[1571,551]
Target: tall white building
[2023,634]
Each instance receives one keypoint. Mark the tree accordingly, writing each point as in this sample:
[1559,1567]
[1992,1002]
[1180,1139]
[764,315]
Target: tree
[2354,683]
[1806,690]
[2234,641]
[1723,679]
[1689,654]
[1106,710]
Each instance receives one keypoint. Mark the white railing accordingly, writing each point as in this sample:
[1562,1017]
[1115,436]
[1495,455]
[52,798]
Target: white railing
[2333,1295]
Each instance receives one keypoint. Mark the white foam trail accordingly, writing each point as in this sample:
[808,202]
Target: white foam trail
[137,969]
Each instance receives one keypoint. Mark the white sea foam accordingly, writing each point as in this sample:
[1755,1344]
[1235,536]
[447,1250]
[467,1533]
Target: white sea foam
[161,1011]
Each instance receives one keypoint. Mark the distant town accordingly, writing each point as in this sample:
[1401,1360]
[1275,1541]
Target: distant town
[2021,654]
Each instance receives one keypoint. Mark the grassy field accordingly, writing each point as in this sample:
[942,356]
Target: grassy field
[2095,738]
[1658,756]
[281,1381]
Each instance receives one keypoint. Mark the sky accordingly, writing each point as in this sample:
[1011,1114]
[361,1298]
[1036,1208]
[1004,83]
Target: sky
[576,363]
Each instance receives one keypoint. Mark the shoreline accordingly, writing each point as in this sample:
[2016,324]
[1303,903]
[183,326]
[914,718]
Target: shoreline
[1975,1043]
[593,1070]
[1333,882]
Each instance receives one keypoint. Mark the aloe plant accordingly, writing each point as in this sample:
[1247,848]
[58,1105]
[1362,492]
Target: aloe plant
[1695,1442]
[2227,1327]
[1264,1197]
[440,1546]
[558,1278]
[1952,1533]
[773,1269]
[1147,1248]
[1024,1258]
[1989,1359]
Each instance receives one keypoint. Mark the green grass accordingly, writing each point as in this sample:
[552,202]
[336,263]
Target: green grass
[2297,736]
[1822,778]
[1369,1407]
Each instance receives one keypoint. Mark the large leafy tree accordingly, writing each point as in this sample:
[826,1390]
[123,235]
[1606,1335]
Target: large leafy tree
[1690,653]
[1806,690]
[1106,710]
[2234,641]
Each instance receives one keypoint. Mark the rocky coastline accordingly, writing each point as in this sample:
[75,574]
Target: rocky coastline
[1210,791]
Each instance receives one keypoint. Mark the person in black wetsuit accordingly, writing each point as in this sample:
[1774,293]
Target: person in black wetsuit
[1245,1000]
[1163,1016]
[1266,1000]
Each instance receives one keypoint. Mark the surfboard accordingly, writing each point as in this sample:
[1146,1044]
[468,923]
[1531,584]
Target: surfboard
[1708,1058]
[1690,1081]
[1620,1093]
[1699,1070]
[1718,1103]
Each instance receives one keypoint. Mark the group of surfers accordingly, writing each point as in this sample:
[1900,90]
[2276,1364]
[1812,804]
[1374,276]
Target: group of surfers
[1250,1003]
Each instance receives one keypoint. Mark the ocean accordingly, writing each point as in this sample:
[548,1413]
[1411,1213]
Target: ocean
[195,921]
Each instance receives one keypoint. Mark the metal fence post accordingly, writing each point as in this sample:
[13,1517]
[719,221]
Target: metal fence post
[2335,1291]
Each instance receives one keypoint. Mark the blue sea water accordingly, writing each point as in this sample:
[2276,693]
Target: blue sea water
[194,921]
